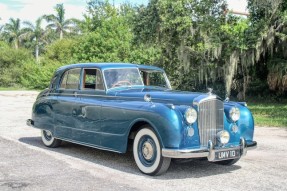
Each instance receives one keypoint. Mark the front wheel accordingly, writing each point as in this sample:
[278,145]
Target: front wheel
[147,153]
[49,140]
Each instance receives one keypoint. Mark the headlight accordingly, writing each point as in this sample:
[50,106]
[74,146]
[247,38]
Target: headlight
[223,137]
[234,114]
[190,115]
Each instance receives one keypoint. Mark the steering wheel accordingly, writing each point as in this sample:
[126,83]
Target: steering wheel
[122,83]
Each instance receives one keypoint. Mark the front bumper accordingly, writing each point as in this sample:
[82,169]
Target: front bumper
[30,122]
[208,152]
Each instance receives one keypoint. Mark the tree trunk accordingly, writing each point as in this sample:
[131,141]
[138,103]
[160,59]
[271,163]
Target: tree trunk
[61,35]
[16,44]
[37,53]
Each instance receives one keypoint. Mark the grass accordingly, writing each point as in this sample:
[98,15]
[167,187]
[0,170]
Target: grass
[269,114]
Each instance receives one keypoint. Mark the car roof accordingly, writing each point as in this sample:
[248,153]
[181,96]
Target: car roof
[104,66]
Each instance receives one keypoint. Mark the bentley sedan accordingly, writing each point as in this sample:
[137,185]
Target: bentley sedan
[109,105]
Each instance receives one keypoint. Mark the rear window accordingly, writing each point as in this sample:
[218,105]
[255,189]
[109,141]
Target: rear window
[71,79]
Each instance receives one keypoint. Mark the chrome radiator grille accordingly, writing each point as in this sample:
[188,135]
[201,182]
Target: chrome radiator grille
[210,120]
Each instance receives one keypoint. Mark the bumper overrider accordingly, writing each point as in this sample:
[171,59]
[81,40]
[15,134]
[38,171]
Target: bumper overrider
[30,122]
[212,153]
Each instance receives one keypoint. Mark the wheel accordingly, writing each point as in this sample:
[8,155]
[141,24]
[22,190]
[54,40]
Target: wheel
[147,153]
[49,140]
[228,162]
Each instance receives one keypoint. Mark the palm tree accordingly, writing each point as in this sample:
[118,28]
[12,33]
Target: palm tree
[58,22]
[12,32]
[35,33]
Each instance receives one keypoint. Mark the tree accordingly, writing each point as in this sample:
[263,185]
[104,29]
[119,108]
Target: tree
[12,32]
[59,23]
[35,33]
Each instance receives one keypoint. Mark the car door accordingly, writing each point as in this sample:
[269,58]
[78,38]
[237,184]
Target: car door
[67,104]
[88,115]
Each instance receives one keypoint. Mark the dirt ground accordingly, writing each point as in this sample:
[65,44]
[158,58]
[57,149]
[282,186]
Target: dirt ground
[25,164]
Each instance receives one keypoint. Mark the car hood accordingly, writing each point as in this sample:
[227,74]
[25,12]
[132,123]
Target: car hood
[160,95]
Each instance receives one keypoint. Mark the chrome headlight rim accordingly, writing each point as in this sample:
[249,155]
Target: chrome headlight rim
[234,114]
[190,115]
[223,136]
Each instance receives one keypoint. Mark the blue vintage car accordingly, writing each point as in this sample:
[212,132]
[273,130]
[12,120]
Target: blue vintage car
[108,105]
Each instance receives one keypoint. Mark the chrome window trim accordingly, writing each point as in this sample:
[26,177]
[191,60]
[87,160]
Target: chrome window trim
[167,81]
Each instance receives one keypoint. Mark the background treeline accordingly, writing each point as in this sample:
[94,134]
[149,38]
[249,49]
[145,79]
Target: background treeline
[199,43]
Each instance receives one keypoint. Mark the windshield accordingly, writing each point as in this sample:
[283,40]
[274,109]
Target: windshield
[155,78]
[122,77]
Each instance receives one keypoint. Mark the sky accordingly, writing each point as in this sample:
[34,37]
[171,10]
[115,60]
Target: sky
[30,10]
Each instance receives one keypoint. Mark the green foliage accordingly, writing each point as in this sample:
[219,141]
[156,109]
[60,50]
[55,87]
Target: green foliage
[36,76]
[197,42]
[60,51]
[59,24]
[110,43]
[11,63]
[148,55]
[234,32]
[12,32]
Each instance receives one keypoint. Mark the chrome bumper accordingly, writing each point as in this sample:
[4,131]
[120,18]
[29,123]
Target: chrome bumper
[30,122]
[208,152]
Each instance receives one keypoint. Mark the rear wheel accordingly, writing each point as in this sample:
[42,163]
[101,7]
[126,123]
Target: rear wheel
[49,140]
[147,153]
[228,162]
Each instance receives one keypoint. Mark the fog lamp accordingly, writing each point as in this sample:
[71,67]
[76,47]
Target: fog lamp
[190,131]
[234,128]
[223,137]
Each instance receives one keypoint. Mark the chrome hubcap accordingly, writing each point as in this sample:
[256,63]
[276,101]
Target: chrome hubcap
[147,150]
[48,135]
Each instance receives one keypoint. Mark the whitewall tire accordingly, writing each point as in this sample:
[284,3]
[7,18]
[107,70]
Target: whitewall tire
[49,140]
[147,153]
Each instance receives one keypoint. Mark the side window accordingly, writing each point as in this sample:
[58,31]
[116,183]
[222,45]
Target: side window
[93,79]
[71,79]
[155,78]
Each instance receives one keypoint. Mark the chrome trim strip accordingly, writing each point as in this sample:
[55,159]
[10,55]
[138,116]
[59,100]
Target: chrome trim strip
[88,145]
[103,96]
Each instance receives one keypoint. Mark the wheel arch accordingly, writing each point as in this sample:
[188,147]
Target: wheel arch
[136,125]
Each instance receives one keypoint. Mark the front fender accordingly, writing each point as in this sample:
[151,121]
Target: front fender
[165,121]
[245,123]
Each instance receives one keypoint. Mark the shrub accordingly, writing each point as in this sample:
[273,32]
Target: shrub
[11,64]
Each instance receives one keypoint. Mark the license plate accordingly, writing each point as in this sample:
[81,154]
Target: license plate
[229,154]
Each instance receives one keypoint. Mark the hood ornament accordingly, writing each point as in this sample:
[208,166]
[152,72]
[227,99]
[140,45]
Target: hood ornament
[227,98]
[209,91]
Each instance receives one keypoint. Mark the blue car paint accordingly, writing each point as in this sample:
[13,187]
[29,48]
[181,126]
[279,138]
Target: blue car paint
[104,119]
